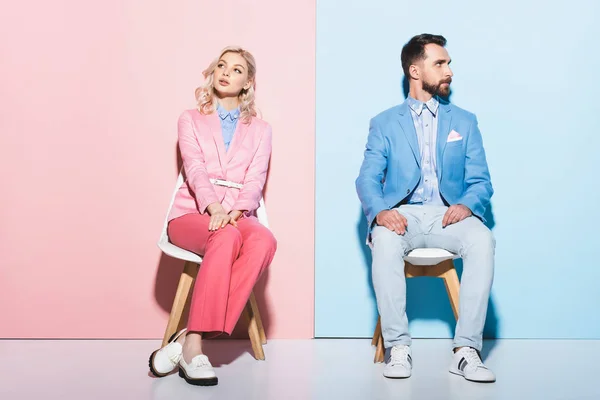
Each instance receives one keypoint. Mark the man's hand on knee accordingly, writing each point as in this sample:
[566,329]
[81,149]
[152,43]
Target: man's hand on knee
[455,213]
[392,220]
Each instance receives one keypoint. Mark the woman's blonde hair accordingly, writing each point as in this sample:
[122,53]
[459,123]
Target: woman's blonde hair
[206,96]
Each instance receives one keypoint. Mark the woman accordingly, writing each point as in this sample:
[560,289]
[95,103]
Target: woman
[225,150]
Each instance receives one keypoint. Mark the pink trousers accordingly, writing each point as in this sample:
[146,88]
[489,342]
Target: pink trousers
[232,261]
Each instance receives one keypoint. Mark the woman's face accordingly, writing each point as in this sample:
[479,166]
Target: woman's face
[231,75]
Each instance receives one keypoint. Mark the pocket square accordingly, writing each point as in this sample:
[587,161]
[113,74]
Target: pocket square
[454,136]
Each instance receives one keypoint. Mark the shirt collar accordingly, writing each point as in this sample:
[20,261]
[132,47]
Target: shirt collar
[223,113]
[417,106]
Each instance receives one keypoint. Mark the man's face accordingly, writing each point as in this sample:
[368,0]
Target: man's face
[435,73]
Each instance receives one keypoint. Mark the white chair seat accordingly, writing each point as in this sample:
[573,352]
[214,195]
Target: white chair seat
[177,252]
[429,256]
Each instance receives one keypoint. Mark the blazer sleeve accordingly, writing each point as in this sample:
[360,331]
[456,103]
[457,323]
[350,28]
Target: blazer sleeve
[478,192]
[256,175]
[194,164]
[369,184]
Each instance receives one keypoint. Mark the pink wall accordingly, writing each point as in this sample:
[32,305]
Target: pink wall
[89,99]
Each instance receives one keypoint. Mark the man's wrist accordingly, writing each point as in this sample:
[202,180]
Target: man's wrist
[460,204]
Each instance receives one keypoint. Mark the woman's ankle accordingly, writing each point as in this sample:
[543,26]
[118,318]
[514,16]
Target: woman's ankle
[192,346]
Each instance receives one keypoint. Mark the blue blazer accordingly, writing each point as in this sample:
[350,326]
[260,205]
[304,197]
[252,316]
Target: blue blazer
[391,168]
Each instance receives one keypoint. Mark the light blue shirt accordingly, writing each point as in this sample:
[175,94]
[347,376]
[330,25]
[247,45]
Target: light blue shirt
[229,121]
[424,116]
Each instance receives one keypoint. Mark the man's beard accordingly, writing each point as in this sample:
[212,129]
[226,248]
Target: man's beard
[438,90]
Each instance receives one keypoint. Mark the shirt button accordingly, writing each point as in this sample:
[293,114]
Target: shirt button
[426,125]
[407,191]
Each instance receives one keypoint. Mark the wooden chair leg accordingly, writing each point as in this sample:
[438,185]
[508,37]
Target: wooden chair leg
[253,332]
[186,281]
[453,288]
[256,311]
[379,351]
[444,270]
[377,332]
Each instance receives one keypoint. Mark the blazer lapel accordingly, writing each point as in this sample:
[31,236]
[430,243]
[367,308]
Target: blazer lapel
[215,127]
[241,130]
[444,121]
[408,127]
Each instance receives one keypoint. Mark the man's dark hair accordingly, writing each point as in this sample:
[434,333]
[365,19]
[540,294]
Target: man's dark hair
[414,50]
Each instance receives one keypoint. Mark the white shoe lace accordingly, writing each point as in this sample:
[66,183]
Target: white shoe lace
[472,358]
[399,356]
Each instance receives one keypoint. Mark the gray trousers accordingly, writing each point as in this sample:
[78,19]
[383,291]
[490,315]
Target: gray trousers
[470,239]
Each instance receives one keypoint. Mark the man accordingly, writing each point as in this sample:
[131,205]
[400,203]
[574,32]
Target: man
[424,182]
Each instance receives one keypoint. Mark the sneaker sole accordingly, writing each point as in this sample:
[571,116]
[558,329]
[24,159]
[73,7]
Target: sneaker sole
[470,380]
[199,382]
[396,377]
[151,362]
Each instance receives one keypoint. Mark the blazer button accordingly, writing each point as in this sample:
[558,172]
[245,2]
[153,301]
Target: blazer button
[407,191]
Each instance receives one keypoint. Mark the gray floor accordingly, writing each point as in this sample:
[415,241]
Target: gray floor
[295,369]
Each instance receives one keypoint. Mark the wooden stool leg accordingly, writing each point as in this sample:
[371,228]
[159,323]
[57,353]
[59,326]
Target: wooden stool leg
[256,311]
[378,341]
[444,270]
[377,332]
[453,288]
[186,281]
[379,351]
[253,332]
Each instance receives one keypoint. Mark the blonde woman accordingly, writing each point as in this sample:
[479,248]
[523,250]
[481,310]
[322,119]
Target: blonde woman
[225,150]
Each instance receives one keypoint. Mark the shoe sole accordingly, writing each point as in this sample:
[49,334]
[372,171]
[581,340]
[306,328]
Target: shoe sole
[396,377]
[198,382]
[151,362]
[470,380]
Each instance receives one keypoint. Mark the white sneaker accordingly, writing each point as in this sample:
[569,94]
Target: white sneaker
[198,372]
[467,363]
[400,363]
[164,360]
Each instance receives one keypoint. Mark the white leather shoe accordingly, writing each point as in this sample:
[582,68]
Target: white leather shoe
[198,372]
[164,360]
[400,363]
[467,363]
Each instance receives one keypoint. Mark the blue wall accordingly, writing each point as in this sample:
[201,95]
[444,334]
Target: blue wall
[531,73]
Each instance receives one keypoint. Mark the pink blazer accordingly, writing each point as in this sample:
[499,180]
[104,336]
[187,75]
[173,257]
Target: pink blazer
[204,158]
